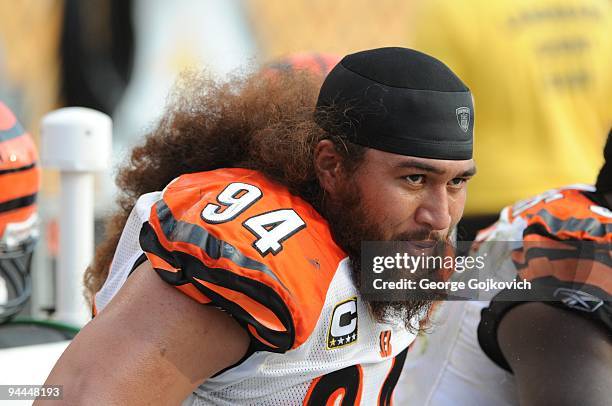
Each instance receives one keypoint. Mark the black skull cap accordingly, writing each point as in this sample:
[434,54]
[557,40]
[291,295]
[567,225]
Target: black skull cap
[398,100]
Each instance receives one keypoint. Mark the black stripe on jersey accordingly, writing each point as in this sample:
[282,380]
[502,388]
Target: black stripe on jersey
[541,230]
[556,255]
[180,231]
[543,290]
[589,225]
[10,133]
[150,243]
[349,380]
[386,392]
[257,291]
[20,169]
[190,267]
[18,203]
[141,259]
[581,250]
[551,254]
[598,198]
[580,245]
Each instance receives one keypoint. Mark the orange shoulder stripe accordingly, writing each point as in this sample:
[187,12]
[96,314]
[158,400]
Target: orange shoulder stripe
[300,273]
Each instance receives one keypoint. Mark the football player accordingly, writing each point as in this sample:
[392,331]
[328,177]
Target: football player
[233,276]
[553,348]
[19,184]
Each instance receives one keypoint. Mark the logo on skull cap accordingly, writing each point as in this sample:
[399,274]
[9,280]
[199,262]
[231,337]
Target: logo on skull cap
[463,118]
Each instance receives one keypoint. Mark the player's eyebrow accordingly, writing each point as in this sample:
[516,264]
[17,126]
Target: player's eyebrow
[468,173]
[421,166]
[409,164]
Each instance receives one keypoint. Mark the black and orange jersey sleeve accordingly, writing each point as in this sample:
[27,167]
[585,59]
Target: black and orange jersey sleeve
[566,255]
[235,240]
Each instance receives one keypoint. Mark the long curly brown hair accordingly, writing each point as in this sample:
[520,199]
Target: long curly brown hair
[254,121]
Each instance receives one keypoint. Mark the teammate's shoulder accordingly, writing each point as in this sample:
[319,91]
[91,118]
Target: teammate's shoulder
[564,237]
[561,201]
[565,213]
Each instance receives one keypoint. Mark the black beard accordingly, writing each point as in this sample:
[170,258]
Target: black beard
[347,219]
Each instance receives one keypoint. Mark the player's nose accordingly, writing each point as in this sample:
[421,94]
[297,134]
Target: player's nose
[433,212]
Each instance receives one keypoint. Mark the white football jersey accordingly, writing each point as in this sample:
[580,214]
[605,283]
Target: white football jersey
[447,367]
[283,278]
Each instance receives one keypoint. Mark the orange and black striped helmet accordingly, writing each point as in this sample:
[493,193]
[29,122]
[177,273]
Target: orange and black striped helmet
[19,185]
[19,182]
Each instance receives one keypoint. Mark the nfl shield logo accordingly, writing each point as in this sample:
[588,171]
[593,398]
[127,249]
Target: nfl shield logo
[463,118]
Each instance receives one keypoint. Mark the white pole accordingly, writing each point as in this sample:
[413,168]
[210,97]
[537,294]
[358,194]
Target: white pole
[76,245]
[77,141]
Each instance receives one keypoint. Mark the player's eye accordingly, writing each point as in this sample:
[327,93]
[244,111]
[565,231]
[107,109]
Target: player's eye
[415,179]
[457,182]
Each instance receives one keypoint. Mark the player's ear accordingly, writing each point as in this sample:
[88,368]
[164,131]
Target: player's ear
[328,164]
